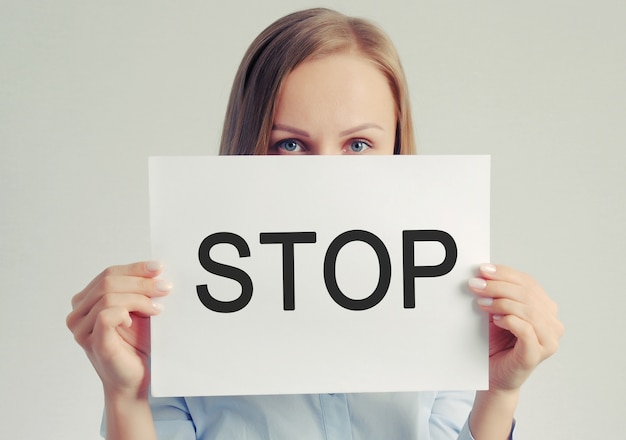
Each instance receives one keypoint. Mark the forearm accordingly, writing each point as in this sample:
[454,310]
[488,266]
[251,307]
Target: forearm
[128,417]
[492,414]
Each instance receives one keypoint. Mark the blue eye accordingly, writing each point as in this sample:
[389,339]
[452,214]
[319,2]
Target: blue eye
[358,146]
[289,146]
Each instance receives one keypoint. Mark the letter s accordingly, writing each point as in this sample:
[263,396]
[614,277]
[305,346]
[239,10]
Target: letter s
[225,271]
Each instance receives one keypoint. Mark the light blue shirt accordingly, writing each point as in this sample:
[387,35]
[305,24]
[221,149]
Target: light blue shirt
[389,416]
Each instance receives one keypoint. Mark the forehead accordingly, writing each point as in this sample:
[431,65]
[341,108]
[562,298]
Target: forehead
[336,70]
[339,83]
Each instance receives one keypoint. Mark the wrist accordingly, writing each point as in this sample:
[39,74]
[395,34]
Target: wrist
[125,396]
[493,412]
[500,395]
[128,415]
[121,404]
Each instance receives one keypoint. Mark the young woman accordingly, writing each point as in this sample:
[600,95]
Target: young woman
[314,82]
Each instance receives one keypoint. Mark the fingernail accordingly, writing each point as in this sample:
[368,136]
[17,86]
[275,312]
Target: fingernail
[484,301]
[477,283]
[497,317]
[163,286]
[153,266]
[488,269]
[129,322]
[157,306]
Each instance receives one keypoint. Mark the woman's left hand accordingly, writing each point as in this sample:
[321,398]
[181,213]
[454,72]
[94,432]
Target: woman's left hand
[523,326]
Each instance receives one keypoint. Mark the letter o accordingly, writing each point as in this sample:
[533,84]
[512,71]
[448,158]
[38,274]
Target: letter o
[384,263]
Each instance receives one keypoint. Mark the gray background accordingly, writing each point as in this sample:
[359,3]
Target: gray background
[89,89]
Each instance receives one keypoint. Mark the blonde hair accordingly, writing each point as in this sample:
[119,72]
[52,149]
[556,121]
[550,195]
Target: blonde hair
[284,45]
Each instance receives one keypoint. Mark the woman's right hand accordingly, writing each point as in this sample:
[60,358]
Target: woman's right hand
[111,321]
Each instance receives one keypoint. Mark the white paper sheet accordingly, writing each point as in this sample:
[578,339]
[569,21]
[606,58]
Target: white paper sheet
[319,346]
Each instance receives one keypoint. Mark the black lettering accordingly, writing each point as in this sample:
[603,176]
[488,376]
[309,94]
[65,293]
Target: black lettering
[288,239]
[225,271]
[408,260]
[384,277]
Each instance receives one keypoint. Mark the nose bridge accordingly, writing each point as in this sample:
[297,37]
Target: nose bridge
[328,147]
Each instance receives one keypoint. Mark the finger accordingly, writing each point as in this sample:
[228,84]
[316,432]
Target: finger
[83,325]
[499,272]
[546,326]
[147,269]
[149,287]
[528,351]
[105,337]
[496,289]
[142,269]
[133,284]
[135,304]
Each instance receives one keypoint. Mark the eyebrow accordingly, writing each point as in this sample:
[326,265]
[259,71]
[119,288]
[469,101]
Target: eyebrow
[359,128]
[342,133]
[290,130]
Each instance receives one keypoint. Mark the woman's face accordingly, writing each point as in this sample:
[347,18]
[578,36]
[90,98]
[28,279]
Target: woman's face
[337,104]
